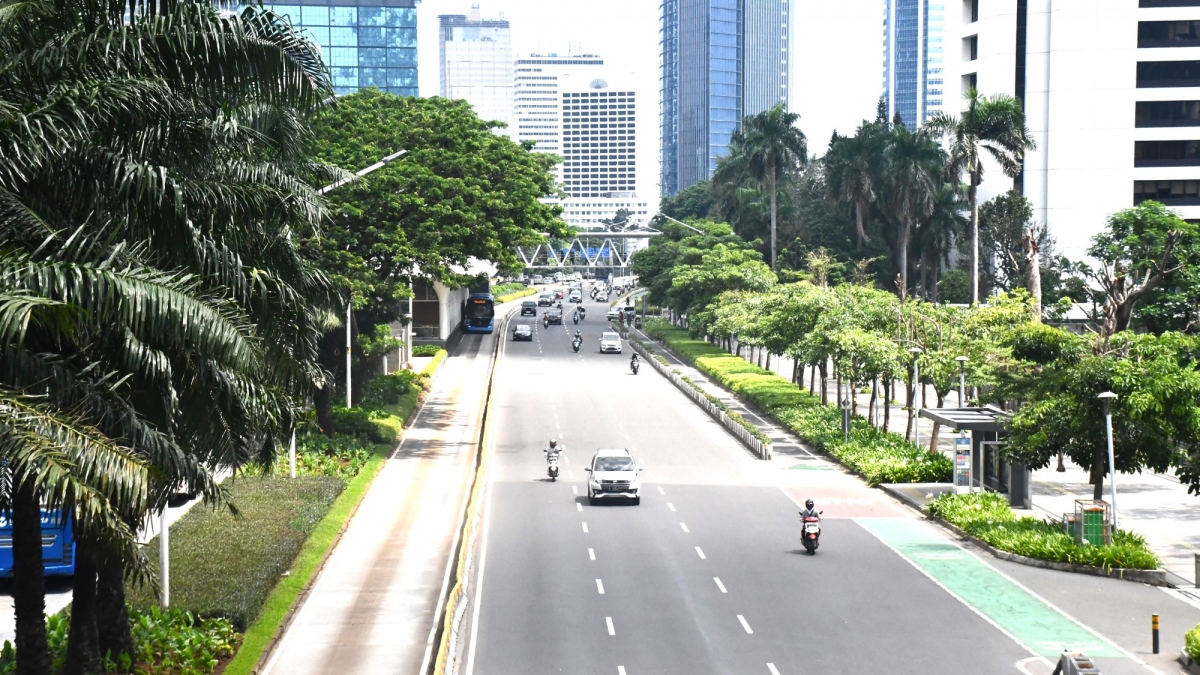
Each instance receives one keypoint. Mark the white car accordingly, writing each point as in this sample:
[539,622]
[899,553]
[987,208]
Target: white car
[614,314]
[610,342]
[614,474]
[602,297]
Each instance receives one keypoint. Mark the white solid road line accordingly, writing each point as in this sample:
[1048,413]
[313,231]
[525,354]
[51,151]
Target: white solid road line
[771,667]
[591,554]
[585,527]
[720,585]
[671,506]
[684,526]
[700,553]
[744,624]
[600,587]
[660,490]
[611,630]
[578,506]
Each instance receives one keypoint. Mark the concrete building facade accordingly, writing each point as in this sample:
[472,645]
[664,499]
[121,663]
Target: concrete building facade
[476,63]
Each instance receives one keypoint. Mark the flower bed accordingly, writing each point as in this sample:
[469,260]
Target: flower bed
[879,456]
[988,517]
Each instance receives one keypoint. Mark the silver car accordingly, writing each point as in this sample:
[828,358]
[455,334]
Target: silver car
[614,474]
[610,342]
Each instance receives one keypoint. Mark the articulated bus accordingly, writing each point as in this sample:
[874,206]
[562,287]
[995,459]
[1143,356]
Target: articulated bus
[58,545]
[479,313]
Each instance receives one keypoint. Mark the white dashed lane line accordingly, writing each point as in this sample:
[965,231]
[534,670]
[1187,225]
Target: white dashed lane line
[660,490]
[600,587]
[611,630]
[591,554]
[683,526]
[720,585]
[771,667]
[574,489]
[700,553]
[584,527]
[745,625]
[671,506]
[578,506]
[620,670]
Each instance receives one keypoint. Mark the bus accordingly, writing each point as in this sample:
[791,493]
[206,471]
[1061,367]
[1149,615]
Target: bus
[58,545]
[479,313]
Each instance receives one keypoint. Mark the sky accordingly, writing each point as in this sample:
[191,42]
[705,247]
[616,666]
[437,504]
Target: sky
[837,48]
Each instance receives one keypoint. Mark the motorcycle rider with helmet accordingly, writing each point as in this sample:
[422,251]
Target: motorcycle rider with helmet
[809,511]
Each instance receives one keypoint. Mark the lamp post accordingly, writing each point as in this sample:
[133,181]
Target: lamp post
[962,380]
[916,352]
[1107,397]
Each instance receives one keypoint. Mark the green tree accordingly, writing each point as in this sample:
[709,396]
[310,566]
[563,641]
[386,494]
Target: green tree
[852,171]
[767,146]
[693,202]
[913,167]
[936,236]
[992,125]
[696,287]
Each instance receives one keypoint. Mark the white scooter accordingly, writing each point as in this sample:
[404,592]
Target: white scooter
[552,466]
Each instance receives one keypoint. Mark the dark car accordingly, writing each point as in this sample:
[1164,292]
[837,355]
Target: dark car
[523,331]
[529,308]
[545,299]
[553,315]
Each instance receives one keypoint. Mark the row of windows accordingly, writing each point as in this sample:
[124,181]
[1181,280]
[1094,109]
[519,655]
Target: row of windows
[1168,3]
[1168,34]
[1166,153]
[1168,74]
[380,78]
[1167,114]
[371,57]
[324,15]
[342,36]
[1169,192]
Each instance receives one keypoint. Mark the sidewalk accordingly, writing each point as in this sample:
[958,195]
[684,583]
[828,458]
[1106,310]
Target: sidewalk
[1156,506]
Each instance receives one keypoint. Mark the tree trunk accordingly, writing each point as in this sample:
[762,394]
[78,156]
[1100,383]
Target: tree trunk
[911,392]
[824,383]
[933,437]
[83,644]
[774,209]
[873,406]
[902,244]
[887,402]
[1061,468]
[29,581]
[973,200]
[112,616]
[812,379]
[1034,260]
[1098,470]
[768,360]
[797,374]
[858,219]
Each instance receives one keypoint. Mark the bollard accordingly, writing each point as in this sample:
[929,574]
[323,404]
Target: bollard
[1197,568]
[1154,630]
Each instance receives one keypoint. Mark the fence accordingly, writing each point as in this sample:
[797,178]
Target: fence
[762,450]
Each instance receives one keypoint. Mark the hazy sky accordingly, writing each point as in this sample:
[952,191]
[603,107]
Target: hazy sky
[836,55]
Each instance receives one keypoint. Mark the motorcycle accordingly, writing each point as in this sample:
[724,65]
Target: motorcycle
[811,534]
[637,322]
[576,344]
[575,317]
[582,313]
[634,365]
[552,467]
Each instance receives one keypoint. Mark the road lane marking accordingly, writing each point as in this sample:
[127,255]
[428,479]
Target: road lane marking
[591,554]
[585,527]
[745,625]
[660,490]
[684,526]
[611,630]
[671,506]
[578,506]
[700,553]
[600,587]
[720,585]
[771,667]
[620,670]
[574,489]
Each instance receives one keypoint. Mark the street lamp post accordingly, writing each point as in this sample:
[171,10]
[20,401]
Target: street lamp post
[1107,397]
[962,380]
[916,352]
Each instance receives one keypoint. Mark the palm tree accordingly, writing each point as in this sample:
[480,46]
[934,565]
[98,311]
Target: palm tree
[993,124]
[936,236]
[912,167]
[767,145]
[851,171]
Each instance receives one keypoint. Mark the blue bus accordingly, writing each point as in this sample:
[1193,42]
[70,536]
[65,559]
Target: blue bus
[479,313]
[58,545]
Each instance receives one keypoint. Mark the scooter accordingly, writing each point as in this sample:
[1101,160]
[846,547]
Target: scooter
[811,534]
[637,322]
[575,318]
[582,313]
[634,366]
[576,344]
[552,467]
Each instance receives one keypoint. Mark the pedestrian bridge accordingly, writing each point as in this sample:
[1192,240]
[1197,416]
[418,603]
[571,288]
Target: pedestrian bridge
[587,249]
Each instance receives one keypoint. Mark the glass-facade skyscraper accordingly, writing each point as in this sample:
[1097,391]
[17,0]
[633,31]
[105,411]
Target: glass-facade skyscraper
[721,60]
[477,63]
[913,59]
[365,43]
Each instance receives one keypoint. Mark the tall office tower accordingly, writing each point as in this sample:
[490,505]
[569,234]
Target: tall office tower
[365,43]
[913,59]
[477,63]
[721,60]
[1110,97]
[536,104]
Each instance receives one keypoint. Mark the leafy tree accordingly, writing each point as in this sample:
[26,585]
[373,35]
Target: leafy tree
[723,268]
[992,125]
[936,236]
[1013,245]
[678,244]
[852,171]
[767,146]
[693,202]
[912,175]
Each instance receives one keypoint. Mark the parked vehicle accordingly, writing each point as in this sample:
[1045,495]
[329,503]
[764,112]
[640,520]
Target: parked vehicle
[614,474]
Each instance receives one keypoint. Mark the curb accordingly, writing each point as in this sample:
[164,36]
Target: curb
[1151,577]
[1189,664]
[760,449]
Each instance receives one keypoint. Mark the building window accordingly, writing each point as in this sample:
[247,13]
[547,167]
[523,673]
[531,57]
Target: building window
[1169,192]
[1166,153]
[969,82]
[1167,114]
[1168,34]
[971,48]
[1169,3]
[1168,74]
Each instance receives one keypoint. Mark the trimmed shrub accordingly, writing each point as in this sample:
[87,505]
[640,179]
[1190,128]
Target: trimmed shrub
[427,350]
[988,517]
[224,565]
[387,390]
[362,423]
[1191,642]
[505,289]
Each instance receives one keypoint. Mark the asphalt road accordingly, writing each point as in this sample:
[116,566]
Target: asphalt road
[707,575]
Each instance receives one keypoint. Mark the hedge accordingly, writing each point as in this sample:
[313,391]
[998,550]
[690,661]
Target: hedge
[427,350]
[508,297]
[988,517]
[1191,642]
[879,456]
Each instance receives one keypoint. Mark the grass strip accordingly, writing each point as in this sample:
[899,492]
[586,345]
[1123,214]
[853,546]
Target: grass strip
[878,456]
[989,518]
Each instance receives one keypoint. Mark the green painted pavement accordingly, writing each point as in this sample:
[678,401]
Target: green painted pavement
[1026,617]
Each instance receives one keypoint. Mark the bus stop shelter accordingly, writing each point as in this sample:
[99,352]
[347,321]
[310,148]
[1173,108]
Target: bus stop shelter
[990,469]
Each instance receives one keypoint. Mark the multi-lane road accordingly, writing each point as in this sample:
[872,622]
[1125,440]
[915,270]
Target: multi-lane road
[706,575]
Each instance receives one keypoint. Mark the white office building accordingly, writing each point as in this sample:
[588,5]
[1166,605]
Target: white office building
[476,63]
[914,58]
[1111,90]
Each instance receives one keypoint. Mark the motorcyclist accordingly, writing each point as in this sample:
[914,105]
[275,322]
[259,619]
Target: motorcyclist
[553,451]
[582,313]
[809,511]
[633,359]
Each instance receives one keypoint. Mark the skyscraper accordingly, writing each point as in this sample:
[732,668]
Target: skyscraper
[536,103]
[721,61]
[477,63]
[365,43]
[913,41]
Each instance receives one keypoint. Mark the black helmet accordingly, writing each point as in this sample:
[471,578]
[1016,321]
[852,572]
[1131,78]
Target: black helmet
[808,504]
[554,443]
[577,332]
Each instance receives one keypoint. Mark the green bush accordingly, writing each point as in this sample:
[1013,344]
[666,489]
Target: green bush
[361,422]
[505,289]
[57,627]
[988,517]
[880,457]
[224,565]
[388,390]
[1191,642]
[318,455]
[427,350]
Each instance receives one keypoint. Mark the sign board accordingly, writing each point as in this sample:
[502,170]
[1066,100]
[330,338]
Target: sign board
[962,463]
